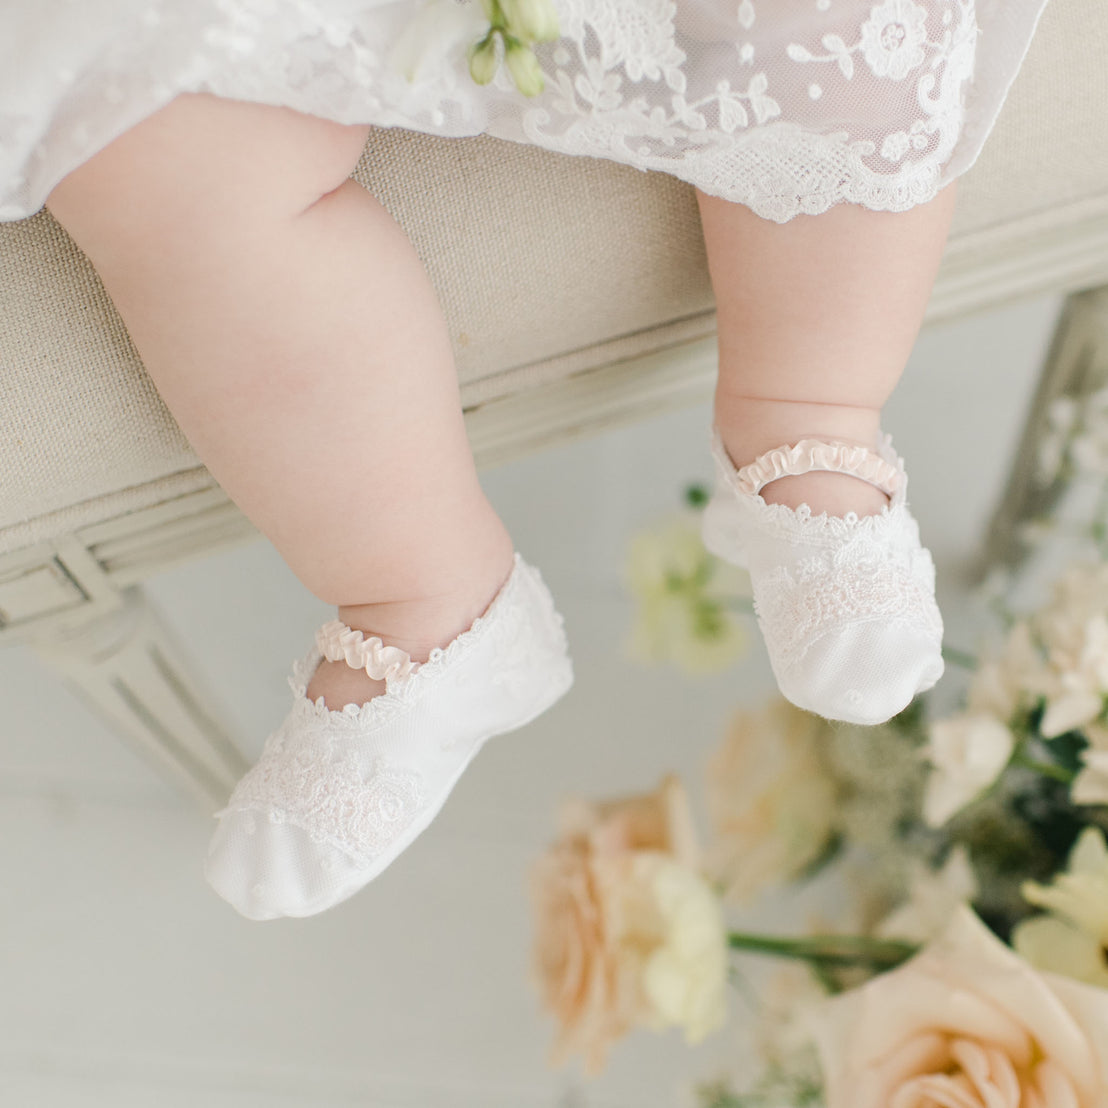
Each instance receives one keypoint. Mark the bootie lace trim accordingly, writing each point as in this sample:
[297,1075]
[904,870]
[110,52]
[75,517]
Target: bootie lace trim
[815,454]
[861,583]
[339,643]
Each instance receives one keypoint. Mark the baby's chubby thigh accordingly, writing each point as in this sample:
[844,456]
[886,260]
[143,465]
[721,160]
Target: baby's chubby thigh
[202,167]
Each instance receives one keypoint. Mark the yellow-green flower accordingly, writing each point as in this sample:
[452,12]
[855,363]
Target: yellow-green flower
[518,24]
[483,62]
[684,599]
[1071,939]
[531,20]
[524,68]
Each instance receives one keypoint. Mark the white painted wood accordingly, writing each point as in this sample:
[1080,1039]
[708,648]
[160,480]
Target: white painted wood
[38,590]
[1076,367]
[586,404]
[1063,250]
[127,666]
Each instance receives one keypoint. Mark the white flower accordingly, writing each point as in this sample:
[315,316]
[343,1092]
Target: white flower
[1074,633]
[968,752]
[1090,786]
[933,895]
[440,29]
[893,38]
[1002,686]
[1071,940]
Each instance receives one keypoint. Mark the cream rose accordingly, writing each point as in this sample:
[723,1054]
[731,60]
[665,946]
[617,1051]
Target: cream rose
[967,753]
[965,1024]
[628,934]
[771,798]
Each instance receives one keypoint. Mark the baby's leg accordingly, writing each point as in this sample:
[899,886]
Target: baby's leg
[816,321]
[817,318]
[291,330]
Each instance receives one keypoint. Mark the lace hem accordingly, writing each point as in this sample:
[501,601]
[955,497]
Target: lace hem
[339,643]
[814,454]
[866,103]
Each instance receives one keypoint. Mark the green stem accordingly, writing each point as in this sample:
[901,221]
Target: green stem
[959,658]
[839,950]
[1098,529]
[1047,769]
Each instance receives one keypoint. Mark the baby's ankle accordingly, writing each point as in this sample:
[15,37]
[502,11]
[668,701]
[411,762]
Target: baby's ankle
[417,625]
[750,427]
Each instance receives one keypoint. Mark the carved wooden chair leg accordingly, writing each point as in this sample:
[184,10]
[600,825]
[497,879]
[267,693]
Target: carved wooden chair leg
[127,665]
[1076,368]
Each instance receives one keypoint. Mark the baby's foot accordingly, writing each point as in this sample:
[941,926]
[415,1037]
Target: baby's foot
[338,795]
[843,591]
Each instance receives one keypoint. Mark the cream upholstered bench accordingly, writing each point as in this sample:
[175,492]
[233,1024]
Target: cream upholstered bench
[563,322]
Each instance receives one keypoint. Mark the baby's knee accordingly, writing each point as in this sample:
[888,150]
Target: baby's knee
[202,161]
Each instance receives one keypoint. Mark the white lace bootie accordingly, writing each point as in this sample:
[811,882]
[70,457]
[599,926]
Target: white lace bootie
[846,605]
[337,795]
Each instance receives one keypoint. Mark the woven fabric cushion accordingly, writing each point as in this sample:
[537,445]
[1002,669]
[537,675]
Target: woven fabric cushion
[611,266]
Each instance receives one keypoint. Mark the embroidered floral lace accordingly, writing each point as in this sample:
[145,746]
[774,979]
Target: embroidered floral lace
[814,575]
[787,106]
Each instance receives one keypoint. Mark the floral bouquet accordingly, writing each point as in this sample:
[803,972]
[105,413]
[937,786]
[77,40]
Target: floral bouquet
[972,970]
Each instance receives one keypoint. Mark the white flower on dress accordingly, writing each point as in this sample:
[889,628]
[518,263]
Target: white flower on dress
[439,30]
[895,146]
[893,38]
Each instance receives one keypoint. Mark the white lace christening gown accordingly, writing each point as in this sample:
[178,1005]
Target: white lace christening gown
[786,106]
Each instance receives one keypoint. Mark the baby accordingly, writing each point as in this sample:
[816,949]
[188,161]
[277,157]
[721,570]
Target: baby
[293,333]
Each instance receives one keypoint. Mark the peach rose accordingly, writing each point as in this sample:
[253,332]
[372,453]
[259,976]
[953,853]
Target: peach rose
[627,932]
[966,1024]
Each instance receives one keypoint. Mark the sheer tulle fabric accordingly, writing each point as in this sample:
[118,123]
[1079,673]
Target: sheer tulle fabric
[787,106]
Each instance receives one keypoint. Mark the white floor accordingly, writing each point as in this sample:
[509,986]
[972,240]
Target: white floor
[124,981]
